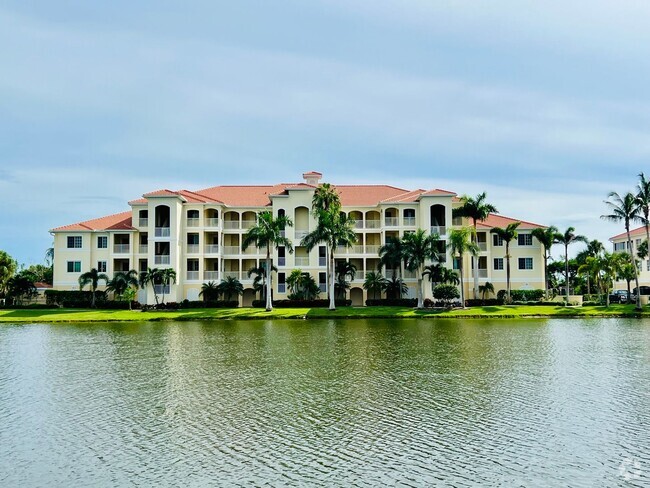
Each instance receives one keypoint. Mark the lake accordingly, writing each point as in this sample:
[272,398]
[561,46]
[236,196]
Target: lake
[334,403]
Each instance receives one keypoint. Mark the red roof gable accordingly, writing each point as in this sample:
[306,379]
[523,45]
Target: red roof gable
[120,221]
[495,220]
[640,231]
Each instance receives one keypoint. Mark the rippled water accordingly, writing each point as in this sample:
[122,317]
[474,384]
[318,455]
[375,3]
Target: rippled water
[346,403]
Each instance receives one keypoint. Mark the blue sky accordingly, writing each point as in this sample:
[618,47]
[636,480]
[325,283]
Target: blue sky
[544,105]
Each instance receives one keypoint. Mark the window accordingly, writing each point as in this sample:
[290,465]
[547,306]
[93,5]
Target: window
[74,266]
[456,263]
[525,263]
[102,242]
[497,240]
[74,242]
[525,239]
[619,246]
[498,263]
[282,286]
[192,238]
[101,266]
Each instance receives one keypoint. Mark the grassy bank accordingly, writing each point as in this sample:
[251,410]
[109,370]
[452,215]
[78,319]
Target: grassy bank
[514,311]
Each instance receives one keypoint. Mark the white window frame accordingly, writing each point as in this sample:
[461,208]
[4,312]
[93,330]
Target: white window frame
[526,261]
[528,239]
[74,242]
[494,264]
[104,238]
[101,266]
[73,263]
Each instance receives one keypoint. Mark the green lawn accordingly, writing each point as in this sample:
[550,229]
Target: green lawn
[513,311]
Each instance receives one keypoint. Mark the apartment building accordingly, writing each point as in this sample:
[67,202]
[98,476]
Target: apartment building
[620,244]
[199,234]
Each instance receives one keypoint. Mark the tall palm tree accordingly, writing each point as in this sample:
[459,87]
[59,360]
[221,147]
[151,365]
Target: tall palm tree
[395,288]
[209,291]
[230,287]
[334,229]
[391,256]
[546,237]
[566,239]
[438,274]
[420,247]
[625,209]
[266,233]
[259,282]
[624,269]
[594,249]
[343,270]
[92,278]
[507,235]
[374,283]
[167,278]
[326,198]
[476,209]
[152,276]
[486,289]
[643,202]
[460,242]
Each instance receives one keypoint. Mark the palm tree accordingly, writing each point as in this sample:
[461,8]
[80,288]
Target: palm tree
[49,256]
[507,235]
[122,281]
[477,210]
[625,209]
[546,237]
[594,249]
[266,233]
[302,286]
[460,243]
[343,270]
[326,198]
[167,278]
[566,239]
[151,276]
[92,278]
[333,228]
[643,202]
[486,289]
[438,274]
[624,269]
[209,291]
[374,283]
[259,282]
[229,287]
[420,247]
[395,288]
[391,256]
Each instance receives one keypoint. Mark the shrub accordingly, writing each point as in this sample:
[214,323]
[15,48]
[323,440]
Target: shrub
[490,302]
[73,298]
[446,292]
[527,295]
[210,304]
[322,303]
[392,302]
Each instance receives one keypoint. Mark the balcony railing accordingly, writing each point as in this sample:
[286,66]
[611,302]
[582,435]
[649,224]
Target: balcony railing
[212,222]
[231,224]
[282,261]
[143,222]
[482,246]
[161,259]
[160,289]
[391,221]
[356,249]
[143,249]
[211,275]
[231,274]
[192,275]
[247,224]
[193,222]
[409,221]
[372,249]
[322,287]
[302,261]
[441,230]
[358,224]
[211,248]
[231,250]
[252,250]
[300,234]
[162,232]
[482,273]
[193,248]
[457,221]
[282,287]
[322,261]
[373,224]
[389,272]
[121,248]
[410,275]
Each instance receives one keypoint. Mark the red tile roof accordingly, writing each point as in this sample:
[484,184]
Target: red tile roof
[495,220]
[312,173]
[438,192]
[633,233]
[120,221]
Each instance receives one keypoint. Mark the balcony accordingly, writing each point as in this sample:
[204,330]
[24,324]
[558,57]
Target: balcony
[358,224]
[162,259]
[482,273]
[192,276]
[322,261]
[211,275]
[410,275]
[372,249]
[282,261]
[121,248]
[211,248]
[482,246]
[162,289]
[162,232]
[230,250]
[300,234]
[356,249]
[391,221]
[193,248]
[143,223]
[302,261]
[231,224]
[231,274]
[409,221]
[373,224]
[212,222]
[143,249]
[389,272]
[441,230]
[247,224]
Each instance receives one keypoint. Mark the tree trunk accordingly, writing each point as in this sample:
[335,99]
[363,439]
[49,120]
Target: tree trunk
[92,299]
[475,263]
[546,273]
[329,288]
[636,274]
[269,302]
[420,291]
[462,283]
[508,271]
[566,271]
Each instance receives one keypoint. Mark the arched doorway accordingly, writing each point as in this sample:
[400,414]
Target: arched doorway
[356,295]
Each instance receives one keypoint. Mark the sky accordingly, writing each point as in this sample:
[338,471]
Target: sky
[543,105]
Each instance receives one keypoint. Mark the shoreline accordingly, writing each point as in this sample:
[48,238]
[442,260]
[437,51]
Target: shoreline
[504,312]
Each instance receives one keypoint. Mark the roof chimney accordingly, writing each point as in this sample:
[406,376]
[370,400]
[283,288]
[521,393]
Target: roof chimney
[312,177]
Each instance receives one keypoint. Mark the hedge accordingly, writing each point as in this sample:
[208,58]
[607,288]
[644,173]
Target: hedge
[320,303]
[73,298]
[392,302]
